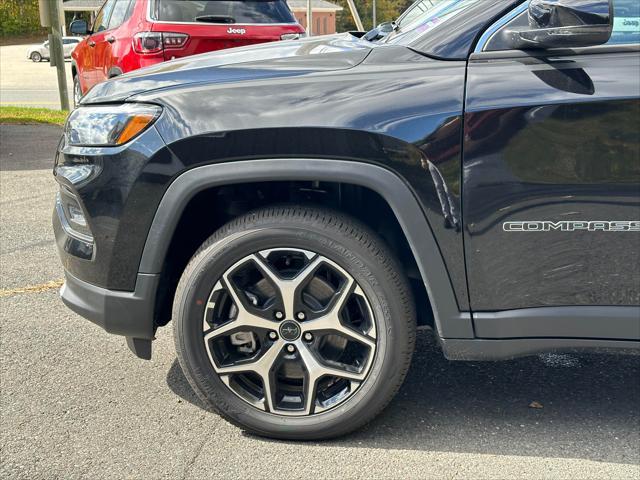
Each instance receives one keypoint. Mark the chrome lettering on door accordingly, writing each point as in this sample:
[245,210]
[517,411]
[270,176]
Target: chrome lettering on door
[573,226]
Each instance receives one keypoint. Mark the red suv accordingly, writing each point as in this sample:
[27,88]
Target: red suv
[131,34]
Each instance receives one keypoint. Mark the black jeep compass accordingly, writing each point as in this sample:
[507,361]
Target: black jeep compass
[298,209]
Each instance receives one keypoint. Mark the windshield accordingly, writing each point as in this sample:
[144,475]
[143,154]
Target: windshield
[425,16]
[222,11]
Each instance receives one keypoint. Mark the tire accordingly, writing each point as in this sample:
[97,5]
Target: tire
[77,91]
[343,250]
[36,57]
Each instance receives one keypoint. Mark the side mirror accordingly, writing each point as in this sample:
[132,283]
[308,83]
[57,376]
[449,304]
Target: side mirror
[79,27]
[566,24]
[380,31]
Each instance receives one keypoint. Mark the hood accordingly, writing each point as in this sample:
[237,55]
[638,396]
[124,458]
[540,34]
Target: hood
[268,60]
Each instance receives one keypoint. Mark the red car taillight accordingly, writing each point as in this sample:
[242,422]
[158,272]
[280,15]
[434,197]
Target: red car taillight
[292,36]
[154,42]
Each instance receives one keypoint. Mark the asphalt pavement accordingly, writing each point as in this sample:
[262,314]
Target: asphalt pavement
[75,403]
[28,84]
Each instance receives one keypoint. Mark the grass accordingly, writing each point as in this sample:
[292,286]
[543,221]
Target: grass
[23,39]
[32,116]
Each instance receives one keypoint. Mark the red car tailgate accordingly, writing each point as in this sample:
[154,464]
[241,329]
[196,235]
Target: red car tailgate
[206,37]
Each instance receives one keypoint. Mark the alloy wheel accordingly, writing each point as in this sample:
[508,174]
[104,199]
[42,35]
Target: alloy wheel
[289,331]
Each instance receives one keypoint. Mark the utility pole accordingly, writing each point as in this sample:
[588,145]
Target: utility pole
[309,19]
[354,14]
[375,22]
[50,17]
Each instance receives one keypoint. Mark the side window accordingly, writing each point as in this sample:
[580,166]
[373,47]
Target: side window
[626,22]
[119,14]
[103,17]
[132,6]
[501,40]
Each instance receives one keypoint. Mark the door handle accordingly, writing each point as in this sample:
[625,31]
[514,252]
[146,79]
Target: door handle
[111,39]
[91,43]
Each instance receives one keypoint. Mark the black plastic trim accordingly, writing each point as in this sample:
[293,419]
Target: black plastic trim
[482,349]
[602,322]
[450,322]
[122,313]
[140,347]
[553,52]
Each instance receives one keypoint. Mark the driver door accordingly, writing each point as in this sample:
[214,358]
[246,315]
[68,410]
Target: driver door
[551,185]
[92,67]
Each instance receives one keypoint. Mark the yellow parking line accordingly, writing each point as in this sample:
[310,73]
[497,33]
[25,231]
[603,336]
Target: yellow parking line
[42,287]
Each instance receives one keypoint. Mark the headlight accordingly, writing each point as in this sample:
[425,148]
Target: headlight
[108,125]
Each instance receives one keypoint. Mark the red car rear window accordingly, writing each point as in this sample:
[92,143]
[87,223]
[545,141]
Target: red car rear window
[222,11]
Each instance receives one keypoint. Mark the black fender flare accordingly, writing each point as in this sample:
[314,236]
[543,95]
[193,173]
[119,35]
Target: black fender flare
[450,321]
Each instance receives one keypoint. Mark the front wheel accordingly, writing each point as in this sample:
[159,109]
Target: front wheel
[294,323]
[36,57]
[77,91]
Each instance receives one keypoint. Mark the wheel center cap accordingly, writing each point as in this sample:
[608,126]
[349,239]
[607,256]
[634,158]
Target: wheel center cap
[290,330]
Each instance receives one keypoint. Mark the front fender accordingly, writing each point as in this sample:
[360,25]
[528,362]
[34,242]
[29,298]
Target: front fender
[450,321]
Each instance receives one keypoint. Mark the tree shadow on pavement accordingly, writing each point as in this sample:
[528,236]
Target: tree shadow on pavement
[590,407]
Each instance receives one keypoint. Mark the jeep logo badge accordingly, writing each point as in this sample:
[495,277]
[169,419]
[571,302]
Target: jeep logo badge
[289,330]
[238,31]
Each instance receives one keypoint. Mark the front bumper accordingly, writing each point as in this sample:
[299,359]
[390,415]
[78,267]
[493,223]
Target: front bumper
[122,313]
[101,219]
[113,200]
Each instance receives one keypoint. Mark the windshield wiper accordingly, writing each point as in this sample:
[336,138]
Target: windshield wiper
[215,19]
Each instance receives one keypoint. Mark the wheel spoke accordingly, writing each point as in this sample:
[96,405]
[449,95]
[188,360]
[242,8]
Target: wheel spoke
[307,271]
[235,294]
[247,322]
[287,287]
[244,318]
[331,320]
[283,286]
[340,298]
[316,370]
[262,367]
[330,323]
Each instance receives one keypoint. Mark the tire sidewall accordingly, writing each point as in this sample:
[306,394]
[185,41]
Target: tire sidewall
[208,266]
[36,57]
[77,91]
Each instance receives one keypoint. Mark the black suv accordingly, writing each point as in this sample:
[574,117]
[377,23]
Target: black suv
[298,209]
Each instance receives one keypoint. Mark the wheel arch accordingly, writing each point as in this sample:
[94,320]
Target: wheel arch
[449,320]
[75,72]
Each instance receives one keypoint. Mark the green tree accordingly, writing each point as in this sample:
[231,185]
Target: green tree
[19,17]
[386,11]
